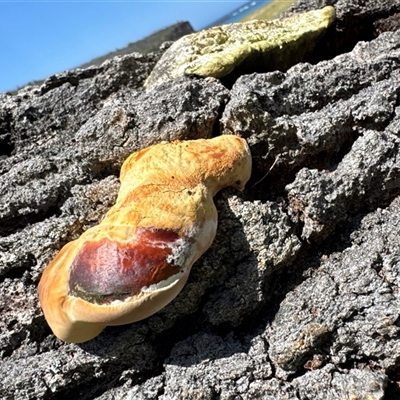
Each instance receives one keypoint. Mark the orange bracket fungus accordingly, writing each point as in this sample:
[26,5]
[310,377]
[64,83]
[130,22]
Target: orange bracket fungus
[139,257]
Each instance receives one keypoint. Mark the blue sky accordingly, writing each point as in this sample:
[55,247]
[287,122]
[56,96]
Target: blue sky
[40,38]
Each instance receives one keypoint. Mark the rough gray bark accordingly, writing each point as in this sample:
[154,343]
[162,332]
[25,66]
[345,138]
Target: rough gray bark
[298,297]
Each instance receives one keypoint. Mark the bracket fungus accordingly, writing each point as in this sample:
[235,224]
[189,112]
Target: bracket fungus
[252,46]
[139,257]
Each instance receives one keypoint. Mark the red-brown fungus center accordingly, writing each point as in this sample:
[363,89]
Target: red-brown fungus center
[108,270]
